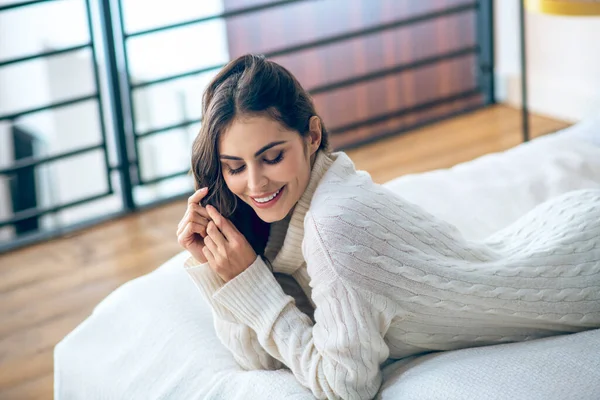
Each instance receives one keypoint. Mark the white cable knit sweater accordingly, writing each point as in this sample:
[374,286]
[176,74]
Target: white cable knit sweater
[389,280]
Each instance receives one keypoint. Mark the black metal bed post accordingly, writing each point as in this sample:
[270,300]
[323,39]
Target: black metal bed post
[114,53]
[523,46]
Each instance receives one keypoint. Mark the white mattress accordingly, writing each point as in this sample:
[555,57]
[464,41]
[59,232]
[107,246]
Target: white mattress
[153,337]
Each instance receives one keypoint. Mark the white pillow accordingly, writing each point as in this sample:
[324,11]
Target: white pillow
[487,194]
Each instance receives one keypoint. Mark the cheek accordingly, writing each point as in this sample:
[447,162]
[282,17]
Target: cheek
[289,169]
[235,184]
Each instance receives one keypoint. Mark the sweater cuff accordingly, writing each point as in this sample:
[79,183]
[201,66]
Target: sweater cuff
[209,282]
[254,297]
[203,276]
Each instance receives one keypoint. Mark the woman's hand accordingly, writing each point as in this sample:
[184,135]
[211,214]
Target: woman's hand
[226,249]
[191,230]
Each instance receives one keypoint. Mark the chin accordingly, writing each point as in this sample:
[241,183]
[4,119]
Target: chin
[270,216]
[275,212]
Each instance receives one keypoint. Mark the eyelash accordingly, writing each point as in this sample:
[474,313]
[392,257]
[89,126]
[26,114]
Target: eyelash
[274,161]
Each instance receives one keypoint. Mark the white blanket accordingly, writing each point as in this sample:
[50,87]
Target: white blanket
[153,337]
[563,367]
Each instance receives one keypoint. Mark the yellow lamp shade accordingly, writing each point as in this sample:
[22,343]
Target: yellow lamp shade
[564,7]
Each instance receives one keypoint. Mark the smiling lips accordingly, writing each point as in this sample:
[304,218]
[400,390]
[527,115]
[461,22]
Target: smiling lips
[268,201]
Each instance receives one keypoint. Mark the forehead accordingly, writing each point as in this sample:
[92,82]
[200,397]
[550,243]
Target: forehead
[246,135]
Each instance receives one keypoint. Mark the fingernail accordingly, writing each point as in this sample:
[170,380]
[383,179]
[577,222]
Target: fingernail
[204,189]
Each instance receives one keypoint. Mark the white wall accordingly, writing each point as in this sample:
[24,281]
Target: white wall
[563,55]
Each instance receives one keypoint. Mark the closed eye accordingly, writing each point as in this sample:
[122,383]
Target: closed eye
[276,160]
[235,171]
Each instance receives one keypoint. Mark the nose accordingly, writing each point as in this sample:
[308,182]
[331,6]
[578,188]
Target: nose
[257,181]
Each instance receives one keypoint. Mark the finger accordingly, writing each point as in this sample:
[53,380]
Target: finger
[216,236]
[183,220]
[224,225]
[198,219]
[189,229]
[183,238]
[208,254]
[183,235]
[211,245]
[192,218]
[198,209]
[191,210]
[200,229]
[197,196]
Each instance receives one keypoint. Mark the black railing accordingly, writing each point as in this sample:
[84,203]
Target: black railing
[46,54]
[107,17]
[346,82]
[48,107]
[225,15]
[327,41]
[23,4]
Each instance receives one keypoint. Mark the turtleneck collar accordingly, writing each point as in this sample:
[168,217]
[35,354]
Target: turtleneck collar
[289,258]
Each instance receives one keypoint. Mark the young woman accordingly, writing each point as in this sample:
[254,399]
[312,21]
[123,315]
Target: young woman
[280,228]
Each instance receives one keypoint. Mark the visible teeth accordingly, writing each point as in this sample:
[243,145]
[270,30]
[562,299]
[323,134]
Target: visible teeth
[266,199]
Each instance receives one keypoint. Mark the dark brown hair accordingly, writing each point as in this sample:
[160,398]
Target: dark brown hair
[248,86]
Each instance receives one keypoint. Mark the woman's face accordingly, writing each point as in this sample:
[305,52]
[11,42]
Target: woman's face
[266,165]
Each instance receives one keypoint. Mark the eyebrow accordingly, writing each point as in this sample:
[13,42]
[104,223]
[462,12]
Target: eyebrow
[258,153]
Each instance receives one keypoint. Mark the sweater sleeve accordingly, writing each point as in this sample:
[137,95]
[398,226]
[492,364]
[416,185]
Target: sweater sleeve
[237,337]
[337,357]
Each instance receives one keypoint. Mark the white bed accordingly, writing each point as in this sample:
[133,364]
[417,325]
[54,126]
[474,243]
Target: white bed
[153,337]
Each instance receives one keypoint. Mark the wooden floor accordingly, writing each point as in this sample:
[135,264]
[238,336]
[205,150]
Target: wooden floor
[48,289]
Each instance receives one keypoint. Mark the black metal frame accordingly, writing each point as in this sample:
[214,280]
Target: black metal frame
[109,19]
